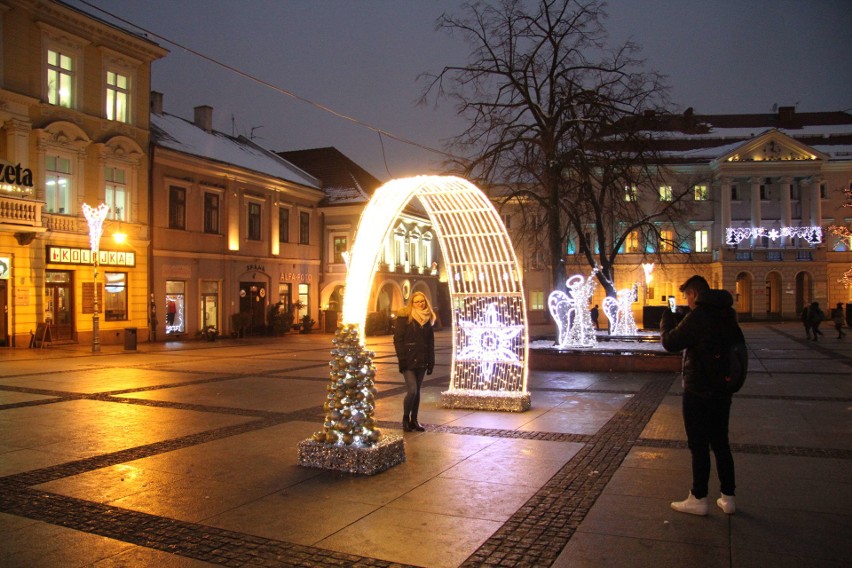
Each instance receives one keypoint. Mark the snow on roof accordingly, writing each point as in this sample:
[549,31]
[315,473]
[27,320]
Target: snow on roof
[183,136]
[346,195]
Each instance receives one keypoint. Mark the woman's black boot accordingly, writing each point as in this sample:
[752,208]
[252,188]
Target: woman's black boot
[406,425]
[415,425]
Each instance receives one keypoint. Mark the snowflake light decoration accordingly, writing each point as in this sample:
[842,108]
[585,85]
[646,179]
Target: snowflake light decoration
[571,312]
[488,342]
[736,235]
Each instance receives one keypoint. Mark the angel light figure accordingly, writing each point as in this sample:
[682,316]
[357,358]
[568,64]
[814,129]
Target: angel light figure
[571,312]
[620,314]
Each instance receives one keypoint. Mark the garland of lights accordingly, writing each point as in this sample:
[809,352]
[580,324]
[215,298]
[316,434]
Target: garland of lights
[619,312]
[571,312]
[735,235]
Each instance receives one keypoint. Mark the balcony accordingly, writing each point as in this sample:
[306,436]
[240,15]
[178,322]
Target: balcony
[20,212]
[772,255]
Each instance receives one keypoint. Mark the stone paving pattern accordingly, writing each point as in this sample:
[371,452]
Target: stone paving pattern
[184,455]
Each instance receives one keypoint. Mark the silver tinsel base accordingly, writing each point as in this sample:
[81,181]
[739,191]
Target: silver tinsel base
[386,453]
[486,400]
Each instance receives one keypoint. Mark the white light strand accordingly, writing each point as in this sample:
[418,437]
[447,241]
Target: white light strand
[735,235]
[95,216]
[620,313]
[571,312]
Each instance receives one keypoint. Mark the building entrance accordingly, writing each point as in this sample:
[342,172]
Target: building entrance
[253,304]
[4,314]
[59,303]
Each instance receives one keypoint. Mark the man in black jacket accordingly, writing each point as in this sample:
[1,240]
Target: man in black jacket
[706,411]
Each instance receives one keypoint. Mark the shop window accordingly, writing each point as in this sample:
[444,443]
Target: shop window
[209,304]
[115,296]
[57,185]
[117,96]
[285,295]
[283,225]
[211,213]
[60,78]
[304,300]
[115,194]
[175,307]
[304,228]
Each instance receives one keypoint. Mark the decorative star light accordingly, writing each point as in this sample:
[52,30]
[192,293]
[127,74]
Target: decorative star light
[489,342]
[774,234]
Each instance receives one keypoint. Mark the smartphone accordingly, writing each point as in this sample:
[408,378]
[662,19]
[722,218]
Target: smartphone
[672,304]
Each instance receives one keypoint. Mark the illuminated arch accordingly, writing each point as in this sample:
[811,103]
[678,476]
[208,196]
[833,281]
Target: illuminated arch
[490,352]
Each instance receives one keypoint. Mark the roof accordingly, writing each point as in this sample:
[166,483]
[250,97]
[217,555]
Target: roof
[174,133]
[702,138]
[343,181]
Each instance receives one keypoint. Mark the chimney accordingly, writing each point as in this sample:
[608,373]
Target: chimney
[204,118]
[157,103]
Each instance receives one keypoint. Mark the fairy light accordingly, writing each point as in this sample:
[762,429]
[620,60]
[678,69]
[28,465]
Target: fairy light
[571,312]
[620,313]
[736,235]
[95,217]
[486,290]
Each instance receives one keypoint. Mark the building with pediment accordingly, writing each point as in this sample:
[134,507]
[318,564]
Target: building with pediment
[73,129]
[766,187]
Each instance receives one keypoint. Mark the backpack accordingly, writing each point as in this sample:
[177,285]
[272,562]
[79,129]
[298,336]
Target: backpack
[725,366]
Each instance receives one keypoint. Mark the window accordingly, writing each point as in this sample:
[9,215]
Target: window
[764,192]
[701,193]
[666,241]
[340,246]
[633,241]
[735,196]
[702,240]
[253,221]
[665,193]
[209,303]
[536,300]
[630,193]
[57,185]
[304,228]
[283,225]
[177,207]
[823,190]
[115,296]
[117,96]
[115,194]
[305,298]
[60,78]
[175,306]
[211,213]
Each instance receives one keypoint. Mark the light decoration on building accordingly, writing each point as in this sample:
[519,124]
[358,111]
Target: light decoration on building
[473,241]
[95,217]
[571,312]
[845,232]
[648,269]
[736,235]
[620,313]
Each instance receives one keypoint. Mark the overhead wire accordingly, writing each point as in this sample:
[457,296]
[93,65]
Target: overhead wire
[380,131]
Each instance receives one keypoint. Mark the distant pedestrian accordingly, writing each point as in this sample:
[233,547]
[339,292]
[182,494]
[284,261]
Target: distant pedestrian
[837,318]
[706,411]
[595,313]
[806,321]
[414,342]
[815,315]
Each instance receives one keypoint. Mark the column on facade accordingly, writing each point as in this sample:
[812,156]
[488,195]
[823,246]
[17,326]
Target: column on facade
[756,220]
[18,141]
[726,208]
[816,202]
[786,207]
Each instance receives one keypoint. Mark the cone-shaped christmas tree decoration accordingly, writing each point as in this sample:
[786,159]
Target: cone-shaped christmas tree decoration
[350,440]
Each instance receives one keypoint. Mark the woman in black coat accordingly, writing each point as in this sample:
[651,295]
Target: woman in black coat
[414,341]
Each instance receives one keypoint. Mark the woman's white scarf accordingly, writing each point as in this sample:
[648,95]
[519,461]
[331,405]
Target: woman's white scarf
[421,316]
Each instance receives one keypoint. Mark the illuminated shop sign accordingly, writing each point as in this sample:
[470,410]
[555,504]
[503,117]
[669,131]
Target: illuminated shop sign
[15,179]
[72,255]
[735,235]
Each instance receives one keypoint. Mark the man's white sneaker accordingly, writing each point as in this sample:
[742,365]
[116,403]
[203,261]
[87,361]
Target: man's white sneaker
[727,504]
[691,505]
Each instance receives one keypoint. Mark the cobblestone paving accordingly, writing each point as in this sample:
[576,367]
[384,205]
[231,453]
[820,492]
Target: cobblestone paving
[533,536]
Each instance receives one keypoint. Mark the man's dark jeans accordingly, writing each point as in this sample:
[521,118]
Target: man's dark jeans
[706,422]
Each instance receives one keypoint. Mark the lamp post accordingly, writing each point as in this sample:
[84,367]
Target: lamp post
[648,268]
[95,217]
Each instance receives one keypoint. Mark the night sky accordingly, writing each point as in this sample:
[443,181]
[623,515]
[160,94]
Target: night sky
[362,59]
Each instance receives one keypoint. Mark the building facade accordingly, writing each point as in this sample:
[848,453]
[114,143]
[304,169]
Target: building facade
[766,189]
[235,231]
[74,129]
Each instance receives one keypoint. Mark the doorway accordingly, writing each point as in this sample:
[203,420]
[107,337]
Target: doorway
[743,299]
[59,303]
[253,304]
[773,295]
[4,314]
[804,291]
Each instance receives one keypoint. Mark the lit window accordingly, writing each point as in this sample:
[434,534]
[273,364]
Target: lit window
[117,96]
[701,193]
[115,296]
[60,79]
[633,241]
[666,241]
[253,221]
[536,300]
[630,193]
[115,194]
[57,185]
[702,240]
[665,193]
[340,246]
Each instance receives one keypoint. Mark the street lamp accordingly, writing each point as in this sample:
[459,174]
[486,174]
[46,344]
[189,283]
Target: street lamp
[95,217]
[648,268]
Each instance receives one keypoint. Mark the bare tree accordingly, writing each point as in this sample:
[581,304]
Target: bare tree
[558,122]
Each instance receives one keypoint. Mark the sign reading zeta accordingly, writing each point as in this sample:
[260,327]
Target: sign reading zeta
[72,255]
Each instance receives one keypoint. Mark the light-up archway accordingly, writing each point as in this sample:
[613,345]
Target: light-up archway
[490,352]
